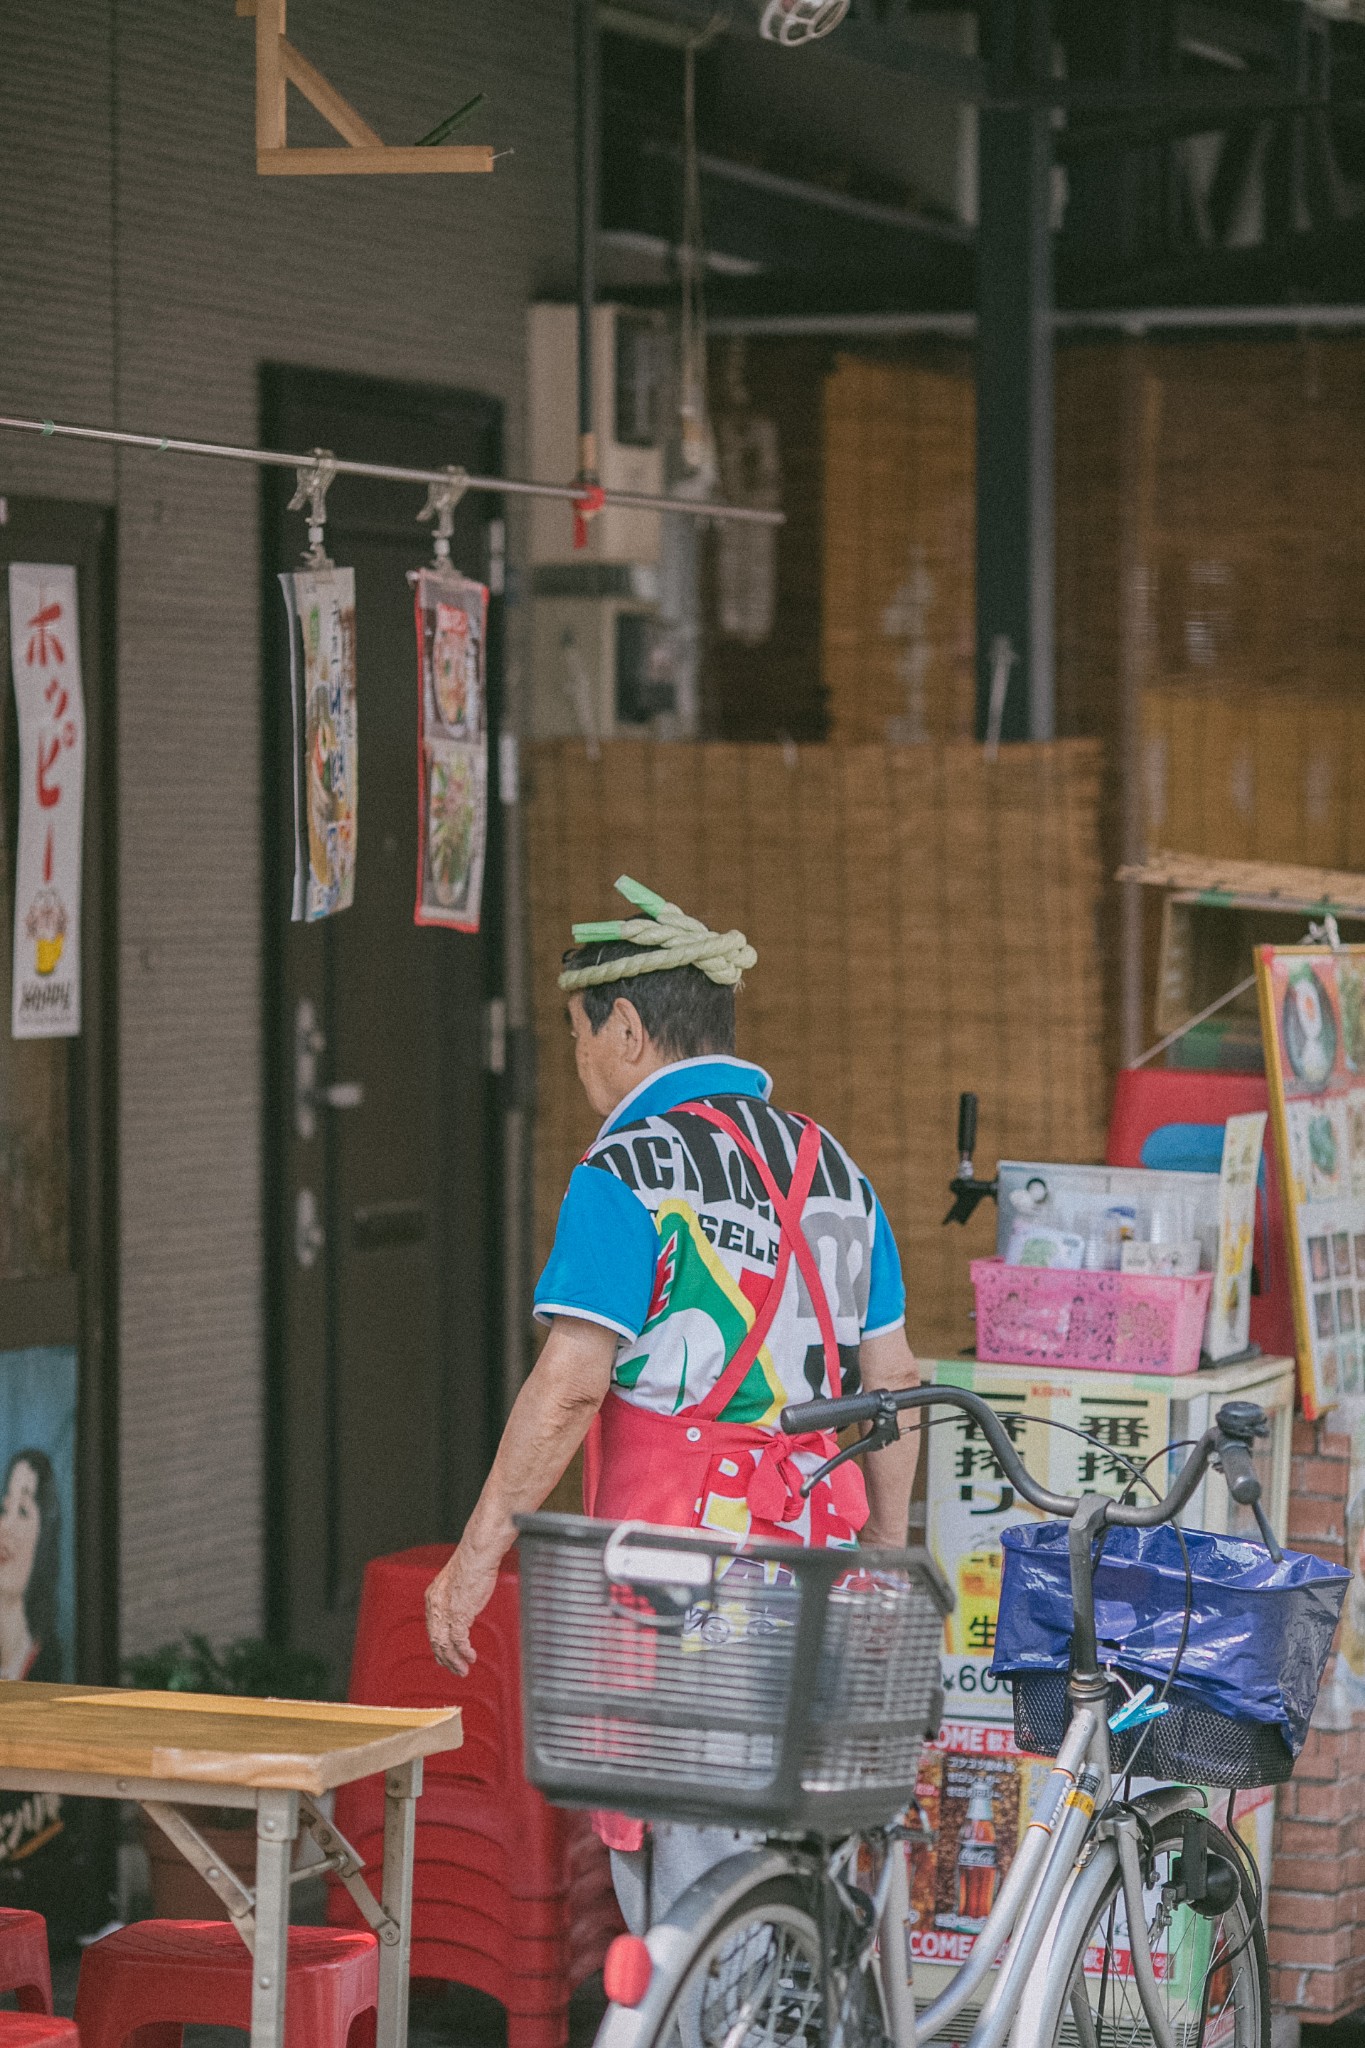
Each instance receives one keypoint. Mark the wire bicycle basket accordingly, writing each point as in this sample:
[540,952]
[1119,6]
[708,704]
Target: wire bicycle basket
[668,1675]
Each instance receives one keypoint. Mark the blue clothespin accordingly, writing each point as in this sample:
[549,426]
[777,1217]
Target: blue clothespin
[1136,1712]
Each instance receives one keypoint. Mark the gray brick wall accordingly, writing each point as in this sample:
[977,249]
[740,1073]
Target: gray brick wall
[145,273]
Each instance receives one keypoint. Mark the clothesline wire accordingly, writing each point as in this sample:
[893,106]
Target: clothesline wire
[386,472]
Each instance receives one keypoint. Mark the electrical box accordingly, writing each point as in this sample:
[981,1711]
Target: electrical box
[600,668]
[630,360]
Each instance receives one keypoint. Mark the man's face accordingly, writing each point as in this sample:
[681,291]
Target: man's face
[615,1059]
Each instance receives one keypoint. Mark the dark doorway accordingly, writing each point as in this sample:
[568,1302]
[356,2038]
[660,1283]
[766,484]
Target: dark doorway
[382,1206]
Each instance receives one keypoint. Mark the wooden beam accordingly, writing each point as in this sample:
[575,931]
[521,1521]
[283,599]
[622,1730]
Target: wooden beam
[270,84]
[340,163]
[320,93]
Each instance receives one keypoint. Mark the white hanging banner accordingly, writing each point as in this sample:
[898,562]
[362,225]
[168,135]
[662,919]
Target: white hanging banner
[46,659]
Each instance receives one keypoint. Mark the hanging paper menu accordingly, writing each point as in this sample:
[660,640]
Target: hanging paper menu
[45,657]
[321,606]
[1313,1024]
[452,631]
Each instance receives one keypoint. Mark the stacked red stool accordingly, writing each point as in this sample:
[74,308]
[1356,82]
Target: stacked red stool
[24,1965]
[37,2030]
[510,1895]
[156,1977]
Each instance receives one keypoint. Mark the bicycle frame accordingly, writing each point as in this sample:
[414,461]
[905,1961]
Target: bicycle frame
[1036,1914]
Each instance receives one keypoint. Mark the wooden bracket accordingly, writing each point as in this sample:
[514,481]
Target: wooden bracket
[278,66]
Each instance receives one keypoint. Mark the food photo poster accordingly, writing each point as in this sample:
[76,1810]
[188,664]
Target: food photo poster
[452,676]
[1313,1024]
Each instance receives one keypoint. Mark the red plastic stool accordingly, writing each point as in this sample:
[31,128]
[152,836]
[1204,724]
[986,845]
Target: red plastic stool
[150,1980]
[24,1965]
[37,2030]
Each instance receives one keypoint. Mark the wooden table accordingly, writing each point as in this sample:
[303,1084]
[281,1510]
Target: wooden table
[169,1750]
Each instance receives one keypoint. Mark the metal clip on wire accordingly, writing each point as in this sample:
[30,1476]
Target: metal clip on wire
[314,480]
[441,501]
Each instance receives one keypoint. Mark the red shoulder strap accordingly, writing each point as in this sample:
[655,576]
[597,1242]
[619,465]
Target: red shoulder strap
[792,1244]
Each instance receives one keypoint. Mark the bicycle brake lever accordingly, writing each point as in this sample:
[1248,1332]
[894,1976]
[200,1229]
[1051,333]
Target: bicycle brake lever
[885,1429]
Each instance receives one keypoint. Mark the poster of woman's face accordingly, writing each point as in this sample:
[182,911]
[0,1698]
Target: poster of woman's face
[37,1513]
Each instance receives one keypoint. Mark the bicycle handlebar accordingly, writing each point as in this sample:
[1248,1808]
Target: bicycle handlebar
[1228,1441]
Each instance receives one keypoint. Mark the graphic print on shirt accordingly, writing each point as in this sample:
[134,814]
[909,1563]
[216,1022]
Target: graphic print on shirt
[718,1251]
[696,1307]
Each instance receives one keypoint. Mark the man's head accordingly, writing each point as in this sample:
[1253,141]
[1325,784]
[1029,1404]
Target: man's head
[623,1031]
[674,998]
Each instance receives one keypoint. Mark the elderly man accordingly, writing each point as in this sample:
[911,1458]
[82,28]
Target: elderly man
[715,1259]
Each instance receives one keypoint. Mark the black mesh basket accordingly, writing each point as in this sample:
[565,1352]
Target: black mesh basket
[1191,1744]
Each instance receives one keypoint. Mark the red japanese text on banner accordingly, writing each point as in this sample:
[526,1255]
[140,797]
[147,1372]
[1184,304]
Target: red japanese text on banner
[452,675]
[46,661]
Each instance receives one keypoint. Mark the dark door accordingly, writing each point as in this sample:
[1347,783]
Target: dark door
[381,1115]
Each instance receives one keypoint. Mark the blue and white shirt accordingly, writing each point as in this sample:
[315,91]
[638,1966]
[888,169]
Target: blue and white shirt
[667,1237]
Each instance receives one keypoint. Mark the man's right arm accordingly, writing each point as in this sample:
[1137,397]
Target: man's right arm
[551,1416]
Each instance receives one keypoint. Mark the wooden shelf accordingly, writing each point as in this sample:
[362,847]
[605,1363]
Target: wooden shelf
[341,163]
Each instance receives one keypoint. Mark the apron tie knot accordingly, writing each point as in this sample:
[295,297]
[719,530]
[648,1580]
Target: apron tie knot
[774,1492]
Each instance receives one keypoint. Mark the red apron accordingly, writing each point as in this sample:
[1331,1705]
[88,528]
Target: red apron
[666,1469]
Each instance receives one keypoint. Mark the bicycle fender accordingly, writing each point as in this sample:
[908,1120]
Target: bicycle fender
[673,1941]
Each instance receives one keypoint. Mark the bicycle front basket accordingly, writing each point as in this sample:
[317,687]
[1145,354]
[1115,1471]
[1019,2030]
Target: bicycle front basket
[1243,1688]
[667,1675]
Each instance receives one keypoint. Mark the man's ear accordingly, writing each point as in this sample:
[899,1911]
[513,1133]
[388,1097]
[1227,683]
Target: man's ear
[630,1024]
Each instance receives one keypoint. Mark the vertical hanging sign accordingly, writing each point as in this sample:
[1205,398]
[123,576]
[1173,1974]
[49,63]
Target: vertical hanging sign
[452,674]
[46,661]
[321,605]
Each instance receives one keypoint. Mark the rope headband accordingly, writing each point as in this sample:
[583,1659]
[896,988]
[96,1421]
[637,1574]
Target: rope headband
[667,937]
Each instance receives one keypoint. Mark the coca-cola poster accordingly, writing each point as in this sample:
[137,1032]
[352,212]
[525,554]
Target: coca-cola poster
[45,658]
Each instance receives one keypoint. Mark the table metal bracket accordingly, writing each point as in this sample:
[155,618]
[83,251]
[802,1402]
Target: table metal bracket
[240,1903]
[349,1866]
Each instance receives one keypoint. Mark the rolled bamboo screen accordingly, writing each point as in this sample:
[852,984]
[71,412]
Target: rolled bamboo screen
[925,923]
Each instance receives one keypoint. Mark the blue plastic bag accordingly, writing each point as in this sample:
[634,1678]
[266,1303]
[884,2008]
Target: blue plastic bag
[1259,1632]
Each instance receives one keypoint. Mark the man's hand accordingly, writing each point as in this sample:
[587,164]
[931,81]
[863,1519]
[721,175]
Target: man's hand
[456,1598]
[549,1420]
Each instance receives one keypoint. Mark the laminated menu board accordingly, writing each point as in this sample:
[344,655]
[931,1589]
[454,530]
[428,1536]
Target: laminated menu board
[452,673]
[1313,1027]
[321,605]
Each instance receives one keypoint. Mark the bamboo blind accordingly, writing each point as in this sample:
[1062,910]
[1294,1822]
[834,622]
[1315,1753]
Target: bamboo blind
[925,923]
[898,628]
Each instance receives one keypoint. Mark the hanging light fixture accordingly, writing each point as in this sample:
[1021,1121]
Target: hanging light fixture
[800,21]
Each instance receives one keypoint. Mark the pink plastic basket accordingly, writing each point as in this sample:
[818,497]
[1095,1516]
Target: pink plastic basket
[1108,1322]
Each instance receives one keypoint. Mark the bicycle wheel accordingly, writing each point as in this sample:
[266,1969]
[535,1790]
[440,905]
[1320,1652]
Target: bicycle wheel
[757,1981]
[1211,1970]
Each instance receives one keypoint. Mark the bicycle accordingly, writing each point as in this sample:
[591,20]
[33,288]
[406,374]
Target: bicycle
[790,1691]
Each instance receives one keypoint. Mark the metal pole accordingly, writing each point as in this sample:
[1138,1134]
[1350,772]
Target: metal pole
[387,472]
[1130,320]
[588,80]
[1014,400]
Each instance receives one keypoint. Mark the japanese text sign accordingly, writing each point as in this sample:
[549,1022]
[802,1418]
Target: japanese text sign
[1077,1433]
[46,662]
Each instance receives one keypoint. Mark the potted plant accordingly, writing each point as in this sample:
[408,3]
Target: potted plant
[247,1667]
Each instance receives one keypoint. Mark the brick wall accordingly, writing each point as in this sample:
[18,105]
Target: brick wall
[1316,1910]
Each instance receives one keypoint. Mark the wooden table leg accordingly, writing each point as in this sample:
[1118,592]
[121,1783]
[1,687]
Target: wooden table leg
[402,1788]
[277,1825]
